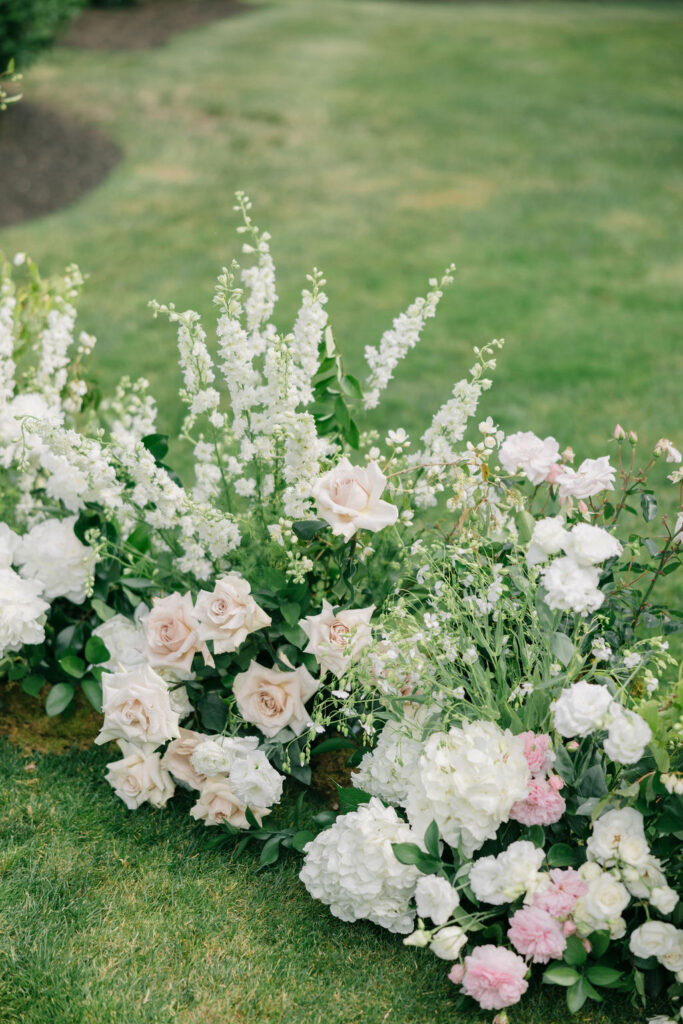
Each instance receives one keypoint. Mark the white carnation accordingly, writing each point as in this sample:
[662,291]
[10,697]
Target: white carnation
[352,868]
[435,898]
[572,587]
[22,612]
[581,709]
[216,756]
[628,735]
[52,554]
[467,781]
[504,878]
[254,781]
[9,543]
[529,453]
[589,545]
[548,537]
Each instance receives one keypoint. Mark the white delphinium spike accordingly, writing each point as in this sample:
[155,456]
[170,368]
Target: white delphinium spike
[7,366]
[306,337]
[56,338]
[403,335]
[259,279]
[131,413]
[195,362]
[236,351]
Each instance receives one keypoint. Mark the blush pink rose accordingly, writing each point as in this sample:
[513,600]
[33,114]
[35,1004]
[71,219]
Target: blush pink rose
[171,639]
[534,933]
[495,977]
[566,885]
[542,806]
[177,758]
[537,752]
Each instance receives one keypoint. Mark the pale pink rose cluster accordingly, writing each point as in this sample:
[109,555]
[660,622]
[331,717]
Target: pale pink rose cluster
[539,461]
[337,638]
[543,804]
[349,498]
[273,700]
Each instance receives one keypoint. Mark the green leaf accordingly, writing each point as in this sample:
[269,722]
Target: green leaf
[562,647]
[407,853]
[32,685]
[351,434]
[96,651]
[351,798]
[536,835]
[525,523]
[592,782]
[137,583]
[17,672]
[600,975]
[351,386]
[306,529]
[291,612]
[73,666]
[576,997]
[93,691]
[59,698]
[341,413]
[652,546]
[301,839]
[599,942]
[562,855]
[270,852]
[559,975]
[157,445]
[648,507]
[432,839]
[575,953]
[213,712]
[102,610]
[295,635]
[333,743]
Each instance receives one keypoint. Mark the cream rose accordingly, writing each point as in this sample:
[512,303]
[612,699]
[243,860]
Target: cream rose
[654,938]
[171,639]
[137,707]
[139,778]
[178,758]
[272,699]
[349,499]
[228,614]
[218,804]
[336,640]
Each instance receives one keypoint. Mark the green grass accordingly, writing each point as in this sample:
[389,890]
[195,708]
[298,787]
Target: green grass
[536,145]
[113,917]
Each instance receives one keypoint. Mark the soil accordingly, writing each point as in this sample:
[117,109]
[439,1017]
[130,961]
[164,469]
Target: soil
[24,722]
[147,24]
[48,161]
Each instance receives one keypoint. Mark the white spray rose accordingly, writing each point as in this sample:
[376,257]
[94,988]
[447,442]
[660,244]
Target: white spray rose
[581,709]
[228,614]
[447,943]
[137,707]
[602,904]
[52,554]
[502,879]
[529,453]
[349,499]
[271,699]
[612,829]
[589,545]
[139,778]
[592,477]
[572,587]
[351,867]
[627,736]
[254,780]
[435,898]
[654,938]
[22,612]
[664,899]
[178,759]
[336,639]
[548,537]
[124,641]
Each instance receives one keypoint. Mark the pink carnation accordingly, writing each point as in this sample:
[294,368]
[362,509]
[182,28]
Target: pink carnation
[533,932]
[543,805]
[494,977]
[456,973]
[564,890]
[537,752]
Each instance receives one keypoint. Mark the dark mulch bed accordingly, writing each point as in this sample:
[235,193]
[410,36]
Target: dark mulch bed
[48,161]
[149,23]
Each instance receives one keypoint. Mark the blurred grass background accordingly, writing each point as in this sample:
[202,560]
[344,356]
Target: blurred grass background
[536,145]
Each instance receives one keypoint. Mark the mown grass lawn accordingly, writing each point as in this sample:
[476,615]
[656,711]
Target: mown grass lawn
[536,145]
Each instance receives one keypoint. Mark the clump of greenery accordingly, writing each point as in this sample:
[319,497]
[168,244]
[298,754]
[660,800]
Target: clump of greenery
[29,26]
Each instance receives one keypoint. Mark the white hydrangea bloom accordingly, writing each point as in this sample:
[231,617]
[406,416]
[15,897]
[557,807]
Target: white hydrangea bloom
[386,771]
[52,554]
[571,587]
[351,867]
[22,612]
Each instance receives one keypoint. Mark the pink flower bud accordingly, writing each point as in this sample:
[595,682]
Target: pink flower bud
[568,927]
[567,454]
[553,473]
[583,508]
[555,782]
[456,973]
[586,945]
[619,432]
[501,1018]
[633,437]
[572,745]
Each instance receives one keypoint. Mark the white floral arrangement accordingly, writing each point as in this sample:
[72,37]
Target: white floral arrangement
[521,799]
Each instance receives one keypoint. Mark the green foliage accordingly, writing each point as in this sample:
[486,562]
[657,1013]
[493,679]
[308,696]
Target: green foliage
[29,26]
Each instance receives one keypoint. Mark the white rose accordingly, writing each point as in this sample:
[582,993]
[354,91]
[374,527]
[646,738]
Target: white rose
[611,830]
[52,554]
[589,871]
[171,639]
[628,735]
[592,477]
[349,499]
[447,943]
[529,453]
[435,898]
[601,905]
[588,545]
[654,938]
[581,709]
[673,958]
[502,879]
[548,537]
[228,614]
[336,640]
[124,641]
[642,880]
[22,612]
[572,587]
[271,699]
[139,778]
[137,707]
[633,850]
[254,780]
[9,543]
[218,804]
[664,899]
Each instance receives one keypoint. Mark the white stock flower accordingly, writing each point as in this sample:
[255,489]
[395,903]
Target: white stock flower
[581,709]
[124,641]
[572,587]
[627,736]
[351,867]
[137,707]
[435,898]
[337,638]
[139,778]
[502,879]
[228,614]
[22,612]
[271,699]
[448,943]
[52,554]
[589,545]
[254,780]
[387,770]
[349,499]
[548,537]
[592,477]
[467,781]
[530,454]
[16,433]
